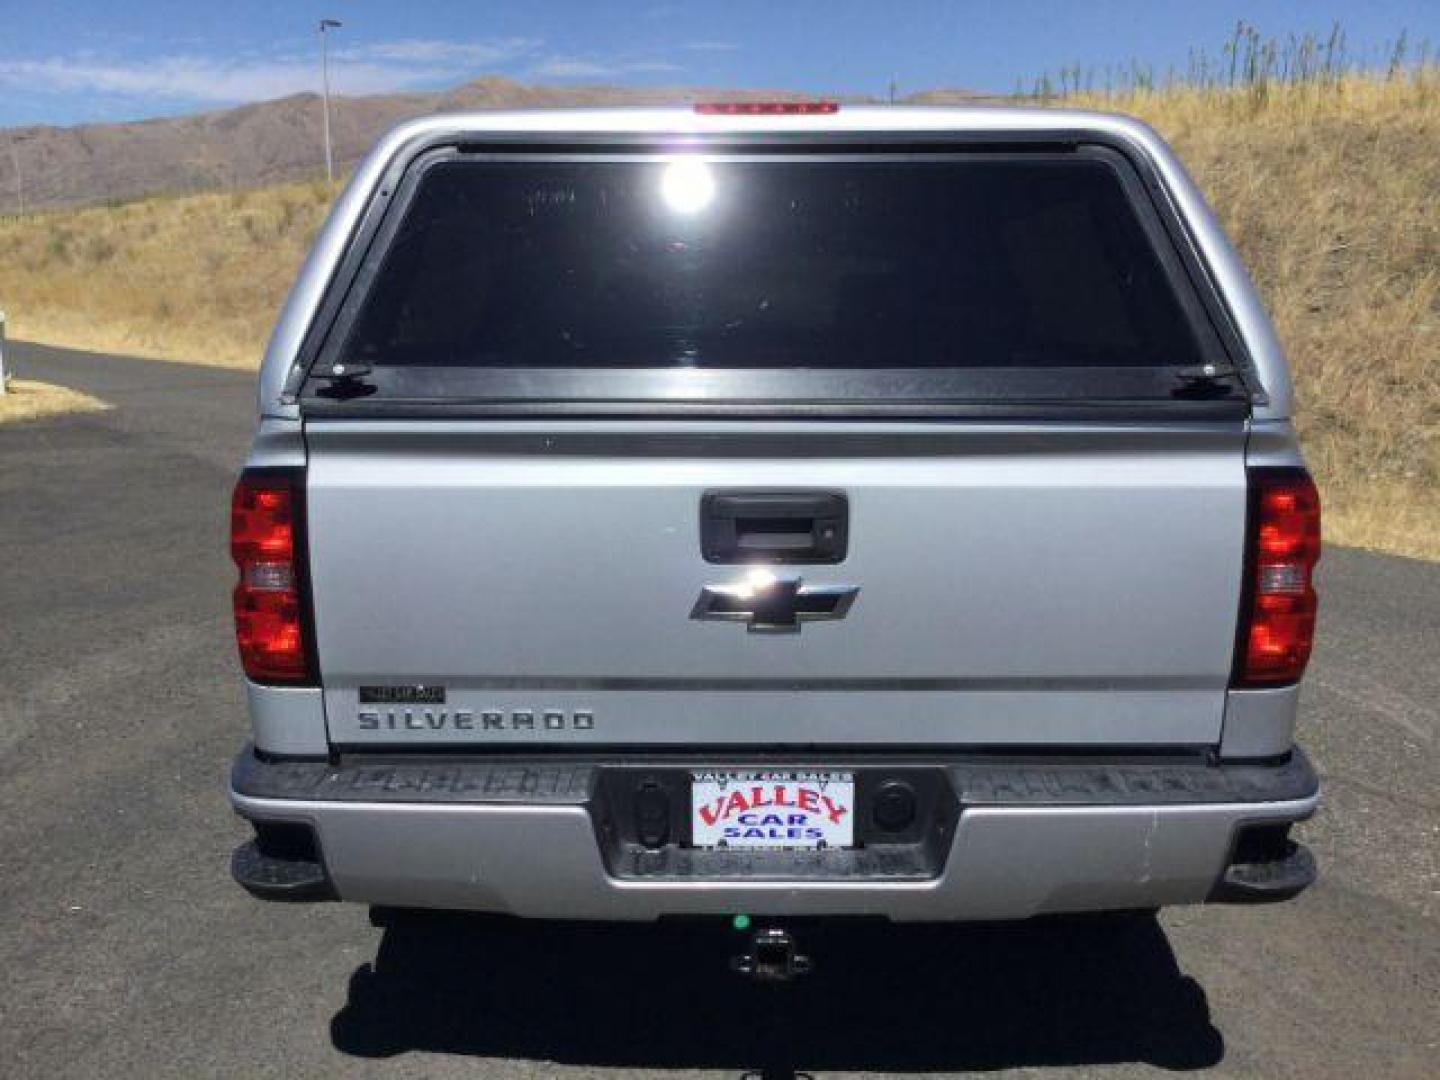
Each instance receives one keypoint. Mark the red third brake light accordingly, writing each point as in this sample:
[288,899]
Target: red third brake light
[265,520]
[767,108]
[1284,546]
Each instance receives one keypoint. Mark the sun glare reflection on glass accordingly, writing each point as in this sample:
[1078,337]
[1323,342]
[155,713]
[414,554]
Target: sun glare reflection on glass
[687,185]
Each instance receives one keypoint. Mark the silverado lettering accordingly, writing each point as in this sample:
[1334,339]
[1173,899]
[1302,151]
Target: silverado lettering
[470,720]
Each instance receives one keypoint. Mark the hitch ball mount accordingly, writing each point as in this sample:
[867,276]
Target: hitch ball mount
[772,957]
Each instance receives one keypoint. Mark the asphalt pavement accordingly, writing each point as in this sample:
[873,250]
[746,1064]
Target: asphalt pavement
[125,950]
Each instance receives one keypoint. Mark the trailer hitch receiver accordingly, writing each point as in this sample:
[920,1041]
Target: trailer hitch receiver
[772,957]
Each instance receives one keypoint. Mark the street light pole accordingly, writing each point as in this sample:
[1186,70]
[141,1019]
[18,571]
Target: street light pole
[326,25]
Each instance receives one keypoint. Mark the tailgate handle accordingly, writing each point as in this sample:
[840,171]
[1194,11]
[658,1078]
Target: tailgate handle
[774,526]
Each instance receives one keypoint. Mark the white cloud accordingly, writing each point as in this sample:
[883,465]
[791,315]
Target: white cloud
[359,69]
[569,67]
[427,51]
[575,67]
[193,78]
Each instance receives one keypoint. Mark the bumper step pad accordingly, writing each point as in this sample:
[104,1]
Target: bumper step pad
[1267,882]
[269,877]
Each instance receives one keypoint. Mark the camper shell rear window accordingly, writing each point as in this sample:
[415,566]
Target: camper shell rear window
[699,276]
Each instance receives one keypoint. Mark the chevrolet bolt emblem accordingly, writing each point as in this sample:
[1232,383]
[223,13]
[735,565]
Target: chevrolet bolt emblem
[773,605]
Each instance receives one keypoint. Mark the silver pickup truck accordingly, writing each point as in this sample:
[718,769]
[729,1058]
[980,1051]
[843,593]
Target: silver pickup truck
[774,510]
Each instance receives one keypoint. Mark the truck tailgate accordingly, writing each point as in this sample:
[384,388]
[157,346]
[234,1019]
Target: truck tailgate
[1059,583]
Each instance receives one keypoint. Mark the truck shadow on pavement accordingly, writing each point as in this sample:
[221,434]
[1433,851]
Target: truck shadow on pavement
[886,998]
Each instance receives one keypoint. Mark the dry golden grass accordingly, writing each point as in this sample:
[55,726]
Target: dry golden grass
[29,400]
[1331,192]
[198,278]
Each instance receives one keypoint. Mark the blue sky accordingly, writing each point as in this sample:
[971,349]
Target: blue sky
[71,61]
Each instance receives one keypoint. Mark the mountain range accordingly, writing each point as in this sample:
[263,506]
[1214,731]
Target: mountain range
[276,141]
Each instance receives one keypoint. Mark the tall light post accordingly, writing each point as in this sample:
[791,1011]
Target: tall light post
[326,25]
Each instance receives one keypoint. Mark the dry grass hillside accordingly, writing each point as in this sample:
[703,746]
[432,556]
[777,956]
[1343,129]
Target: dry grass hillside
[196,277]
[1331,190]
[1332,194]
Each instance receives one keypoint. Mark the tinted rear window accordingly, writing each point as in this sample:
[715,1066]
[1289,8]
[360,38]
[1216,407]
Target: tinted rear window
[1003,262]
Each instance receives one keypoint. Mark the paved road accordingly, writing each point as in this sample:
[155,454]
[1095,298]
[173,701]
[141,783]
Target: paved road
[125,950]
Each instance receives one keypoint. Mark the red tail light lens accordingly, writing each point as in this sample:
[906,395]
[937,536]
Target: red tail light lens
[266,521]
[767,108]
[1279,626]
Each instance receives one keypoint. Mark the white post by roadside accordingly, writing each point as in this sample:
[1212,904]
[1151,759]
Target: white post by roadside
[4,376]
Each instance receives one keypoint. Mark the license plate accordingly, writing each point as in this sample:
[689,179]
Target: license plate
[767,809]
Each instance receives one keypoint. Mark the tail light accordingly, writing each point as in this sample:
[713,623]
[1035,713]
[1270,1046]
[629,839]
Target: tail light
[1278,621]
[267,531]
